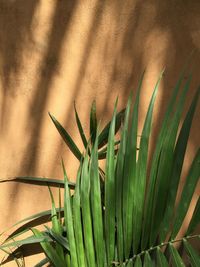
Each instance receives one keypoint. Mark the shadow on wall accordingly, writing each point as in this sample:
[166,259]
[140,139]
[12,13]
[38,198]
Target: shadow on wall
[15,33]
[122,40]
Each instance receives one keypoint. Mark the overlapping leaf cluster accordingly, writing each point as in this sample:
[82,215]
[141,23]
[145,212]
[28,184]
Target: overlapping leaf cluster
[127,214]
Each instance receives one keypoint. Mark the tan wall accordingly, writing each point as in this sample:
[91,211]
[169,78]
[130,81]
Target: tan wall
[53,52]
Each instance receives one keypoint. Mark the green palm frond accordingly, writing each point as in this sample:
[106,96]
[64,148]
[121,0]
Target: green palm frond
[131,217]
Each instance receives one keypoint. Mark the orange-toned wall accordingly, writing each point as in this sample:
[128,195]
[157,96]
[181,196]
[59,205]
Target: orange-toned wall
[53,52]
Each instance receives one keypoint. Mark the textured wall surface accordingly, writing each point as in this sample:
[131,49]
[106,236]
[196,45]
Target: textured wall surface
[53,52]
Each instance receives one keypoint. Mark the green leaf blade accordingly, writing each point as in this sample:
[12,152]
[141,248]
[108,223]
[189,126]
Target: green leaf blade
[179,155]
[164,167]
[97,207]
[38,181]
[187,193]
[42,262]
[78,222]
[193,255]
[129,176]
[148,214]
[141,172]
[109,219]
[138,262]
[80,128]
[103,136]
[147,260]
[58,238]
[50,251]
[176,259]
[119,184]
[28,240]
[66,138]
[161,259]
[93,122]
[86,213]
[195,218]
[69,221]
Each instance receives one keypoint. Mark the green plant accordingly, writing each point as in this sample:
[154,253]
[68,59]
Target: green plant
[125,215]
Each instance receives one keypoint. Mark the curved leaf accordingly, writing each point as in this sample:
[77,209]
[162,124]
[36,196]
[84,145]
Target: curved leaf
[67,138]
[32,221]
[28,240]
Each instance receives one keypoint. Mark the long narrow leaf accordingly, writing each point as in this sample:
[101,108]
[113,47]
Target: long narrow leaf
[86,213]
[103,152]
[177,167]
[80,128]
[78,221]
[32,221]
[161,259]
[148,214]
[69,221]
[56,226]
[67,138]
[49,251]
[119,183]
[147,260]
[193,255]
[28,240]
[177,261]
[93,122]
[55,222]
[110,193]
[138,262]
[195,218]
[141,171]
[58,238]
[97,207]
[103,136]
[187,194]
[165,167]
[129,176]
[129,264]
[38,181]
[42,262]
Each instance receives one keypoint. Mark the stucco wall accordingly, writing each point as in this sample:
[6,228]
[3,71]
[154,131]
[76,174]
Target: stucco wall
[53,52]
